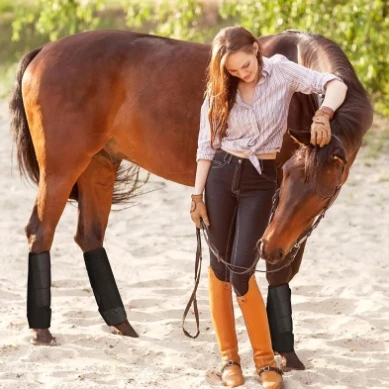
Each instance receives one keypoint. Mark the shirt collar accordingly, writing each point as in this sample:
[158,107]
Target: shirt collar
[266,68]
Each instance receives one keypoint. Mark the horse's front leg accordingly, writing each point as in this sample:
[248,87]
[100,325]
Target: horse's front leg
[95,189]
[279,311]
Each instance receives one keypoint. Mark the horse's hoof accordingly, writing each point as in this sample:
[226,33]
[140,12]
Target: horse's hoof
[126,329]
[42,337]
[290,361]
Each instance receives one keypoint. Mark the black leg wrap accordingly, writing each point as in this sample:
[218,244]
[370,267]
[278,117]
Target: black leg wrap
[104,287]
[279,312]
[38,290]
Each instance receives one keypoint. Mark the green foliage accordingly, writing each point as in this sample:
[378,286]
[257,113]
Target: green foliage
[5,6]
[181,19]
[57,18]
[7,79]
[360,27]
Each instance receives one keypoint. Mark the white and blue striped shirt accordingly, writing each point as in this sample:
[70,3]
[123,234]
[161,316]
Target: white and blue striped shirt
[259,128]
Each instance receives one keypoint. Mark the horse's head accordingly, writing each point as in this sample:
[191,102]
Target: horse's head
[310,182]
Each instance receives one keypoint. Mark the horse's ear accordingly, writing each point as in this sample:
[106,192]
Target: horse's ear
[301,137]
[339,155]
[339,163]
[339,152]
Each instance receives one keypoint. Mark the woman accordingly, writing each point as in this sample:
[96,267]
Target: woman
[243,120]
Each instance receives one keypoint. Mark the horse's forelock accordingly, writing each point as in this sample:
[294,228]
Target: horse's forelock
[315,159]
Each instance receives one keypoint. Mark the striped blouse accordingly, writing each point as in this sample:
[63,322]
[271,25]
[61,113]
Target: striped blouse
[259,128]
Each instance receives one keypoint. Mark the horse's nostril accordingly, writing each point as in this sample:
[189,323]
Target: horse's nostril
[276,256]
[280,254]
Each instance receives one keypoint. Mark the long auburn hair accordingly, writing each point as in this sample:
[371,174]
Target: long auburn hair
[221,85]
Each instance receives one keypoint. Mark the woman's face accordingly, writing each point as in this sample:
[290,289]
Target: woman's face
[243,65]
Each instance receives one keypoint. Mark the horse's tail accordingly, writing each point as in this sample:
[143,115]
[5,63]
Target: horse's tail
[26,156]
[28,164]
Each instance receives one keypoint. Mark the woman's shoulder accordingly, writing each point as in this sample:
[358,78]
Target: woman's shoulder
[274,63]
[276,58]
[281,65]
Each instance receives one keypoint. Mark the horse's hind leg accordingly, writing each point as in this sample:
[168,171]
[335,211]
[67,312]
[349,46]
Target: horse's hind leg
[53,193]
[95,190]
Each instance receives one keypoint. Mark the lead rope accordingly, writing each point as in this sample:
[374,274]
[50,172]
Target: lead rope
[193,298]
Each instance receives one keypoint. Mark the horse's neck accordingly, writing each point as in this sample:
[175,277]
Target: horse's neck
[313,56]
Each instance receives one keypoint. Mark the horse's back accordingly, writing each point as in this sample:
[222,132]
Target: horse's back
[141,93]
[106,56]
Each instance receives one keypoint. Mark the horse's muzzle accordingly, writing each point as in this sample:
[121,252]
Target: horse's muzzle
[274,257]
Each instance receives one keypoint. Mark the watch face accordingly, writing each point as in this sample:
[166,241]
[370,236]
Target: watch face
[193,206]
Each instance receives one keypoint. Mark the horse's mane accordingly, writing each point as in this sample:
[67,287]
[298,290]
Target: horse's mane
[354,117]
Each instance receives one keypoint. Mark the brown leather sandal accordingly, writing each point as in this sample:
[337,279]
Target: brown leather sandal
[271,368]
[231,374]
[229,363]
[270,383]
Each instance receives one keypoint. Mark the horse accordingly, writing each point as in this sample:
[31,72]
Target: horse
[85,103]
[310,178]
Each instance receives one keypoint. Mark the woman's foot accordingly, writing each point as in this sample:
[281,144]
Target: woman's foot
[232,374]
[42,337]
[271,377]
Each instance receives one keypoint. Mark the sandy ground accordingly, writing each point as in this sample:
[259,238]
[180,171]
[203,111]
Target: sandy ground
[340,296]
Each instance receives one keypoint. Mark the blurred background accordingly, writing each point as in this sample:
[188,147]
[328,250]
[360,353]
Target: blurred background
[360,27]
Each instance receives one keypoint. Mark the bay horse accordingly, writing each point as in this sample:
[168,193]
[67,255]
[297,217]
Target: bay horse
[87,102]
[310,178]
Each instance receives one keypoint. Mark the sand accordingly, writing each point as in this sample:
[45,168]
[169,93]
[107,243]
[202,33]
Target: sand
[340,297]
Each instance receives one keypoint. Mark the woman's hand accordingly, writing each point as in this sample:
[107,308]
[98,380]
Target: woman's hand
[336,91]
[198,210]
[321,129]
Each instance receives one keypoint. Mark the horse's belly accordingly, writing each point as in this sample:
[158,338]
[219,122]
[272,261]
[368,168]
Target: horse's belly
[162,157]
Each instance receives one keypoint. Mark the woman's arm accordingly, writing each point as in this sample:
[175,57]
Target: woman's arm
[198,209]
[203,166]
[335,94]
[305,80]
[204,157]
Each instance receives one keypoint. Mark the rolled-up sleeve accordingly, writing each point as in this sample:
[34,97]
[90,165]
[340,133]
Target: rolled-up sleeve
[204,149]
[303,79]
